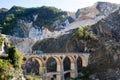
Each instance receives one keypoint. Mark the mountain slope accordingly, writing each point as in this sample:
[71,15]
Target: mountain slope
[91,15]
[102,40]
[105,30]
[49,22]
[19,20]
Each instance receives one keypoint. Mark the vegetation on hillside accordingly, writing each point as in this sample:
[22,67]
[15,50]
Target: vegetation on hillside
[5,68]
[29,77]
[46,16]
[84,33]
[15,56]
[10,64]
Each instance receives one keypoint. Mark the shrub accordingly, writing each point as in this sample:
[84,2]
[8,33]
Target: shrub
[15,56]
[80,33]
[9,17]
[5,67]
[84,33]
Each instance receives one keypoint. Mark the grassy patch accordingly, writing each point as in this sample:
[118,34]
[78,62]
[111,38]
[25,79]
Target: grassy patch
[29,77]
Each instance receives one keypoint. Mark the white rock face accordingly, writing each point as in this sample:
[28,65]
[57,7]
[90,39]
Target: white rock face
[47,33]
[35,17]
[38,34]
[26,26]
[23,44]
[67,22]
[90,15]
[35,33]
[2,48]
[86,16]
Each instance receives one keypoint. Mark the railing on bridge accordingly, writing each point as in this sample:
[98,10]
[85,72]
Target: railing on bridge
[68,71]
[55,53]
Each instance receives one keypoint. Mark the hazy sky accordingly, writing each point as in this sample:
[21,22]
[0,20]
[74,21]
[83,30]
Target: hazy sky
[69,5]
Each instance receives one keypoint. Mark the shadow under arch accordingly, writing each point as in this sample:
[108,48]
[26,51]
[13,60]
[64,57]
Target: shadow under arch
[53,64]
[53,61]
[79,64]
[69,65]
[34,66]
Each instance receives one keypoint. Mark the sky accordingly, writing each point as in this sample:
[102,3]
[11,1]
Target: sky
[66,5]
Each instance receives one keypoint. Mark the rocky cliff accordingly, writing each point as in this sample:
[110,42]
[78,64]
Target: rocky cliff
[48,22]
[102,40]
[21,22]
[105,30]
[2,13]
[106,58]
[32,23]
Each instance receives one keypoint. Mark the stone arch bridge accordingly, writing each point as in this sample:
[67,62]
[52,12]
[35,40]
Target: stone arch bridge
[61,59]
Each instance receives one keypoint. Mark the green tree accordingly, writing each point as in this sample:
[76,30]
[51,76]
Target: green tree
[15,56]
[83,32]
[9,17]
[88,34]
[80,32]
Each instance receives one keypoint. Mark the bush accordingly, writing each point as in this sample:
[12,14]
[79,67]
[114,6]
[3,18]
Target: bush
[83,33]
[5,67]
[9,17]
[80,32]
[15,56]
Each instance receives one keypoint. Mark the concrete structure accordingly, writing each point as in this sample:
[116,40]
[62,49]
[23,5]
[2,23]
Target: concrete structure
[42,60]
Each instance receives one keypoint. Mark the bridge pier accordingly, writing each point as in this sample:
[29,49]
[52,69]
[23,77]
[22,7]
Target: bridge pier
[58,77]
[76,69]
[44,73]
[61,72]
[41,70]
[74,72]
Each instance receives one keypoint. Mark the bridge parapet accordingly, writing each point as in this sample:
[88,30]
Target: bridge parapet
[57,54]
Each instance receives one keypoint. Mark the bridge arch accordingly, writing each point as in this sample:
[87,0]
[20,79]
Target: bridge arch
[84,60]
[54,62]
[71,60]
[37,69]
[79,64]
[69,69]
